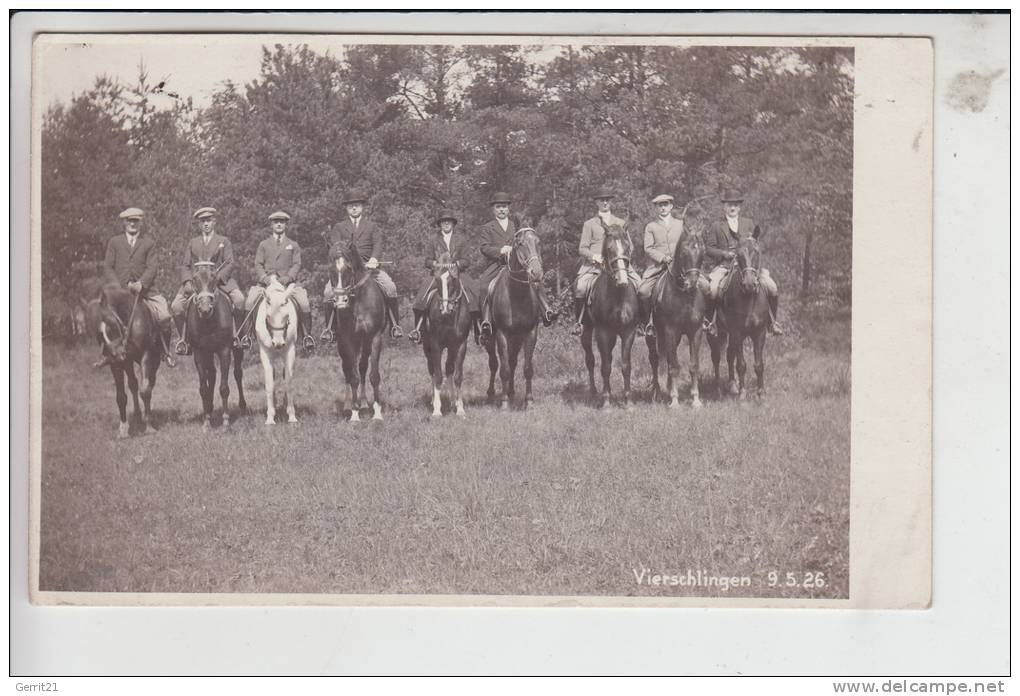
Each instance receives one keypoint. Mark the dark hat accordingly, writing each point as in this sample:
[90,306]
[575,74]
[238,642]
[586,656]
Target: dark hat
[203,213]
[279,215]
[663,198]
[499,197]
[604,192]
[446,215]
[132,214]
[354,196]
[732,196]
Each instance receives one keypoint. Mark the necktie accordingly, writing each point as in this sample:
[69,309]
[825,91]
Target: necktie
[131,242]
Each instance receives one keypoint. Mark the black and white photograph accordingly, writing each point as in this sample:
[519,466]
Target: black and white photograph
[400,318]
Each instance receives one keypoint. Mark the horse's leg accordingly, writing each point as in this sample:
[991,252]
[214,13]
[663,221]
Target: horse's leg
[732,347]
[458,377]
[606,339]
[758,340]
[118,382]
[242,405]
[715,347]
[626,344]
[671,341]
[504,369]
[225,355]
[366,356]
[435,357]
[270,381]
[132,383]
[694,344]
[653,360]
[493,367]
[205,365]
[529,365]
[351,376]
[289,382]
[147,371]
[741,367]
[373,376]
[589,358]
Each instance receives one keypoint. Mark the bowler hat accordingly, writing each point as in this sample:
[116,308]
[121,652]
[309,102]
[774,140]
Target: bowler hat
[203,213]
[354,196]
[732,196]
[604,192]
[446,215]
[499,197]
[132,214]
[279,215]
[663,198]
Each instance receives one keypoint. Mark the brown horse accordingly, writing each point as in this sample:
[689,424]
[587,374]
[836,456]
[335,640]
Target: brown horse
[210,330]
[515,316]
[744,313]
[449,324]
[678,311]
[128,334]
[359,316]
[613,314]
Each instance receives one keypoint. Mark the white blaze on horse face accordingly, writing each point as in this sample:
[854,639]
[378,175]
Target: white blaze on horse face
[444,278]
[102,330]
[621,266]
[340,265]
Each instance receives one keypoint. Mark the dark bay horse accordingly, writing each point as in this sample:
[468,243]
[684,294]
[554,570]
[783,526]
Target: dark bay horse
[359,316]
[128,334]
[744,313]
[612,314]
[515,315]
[210,329]
[678,311]
[448,326]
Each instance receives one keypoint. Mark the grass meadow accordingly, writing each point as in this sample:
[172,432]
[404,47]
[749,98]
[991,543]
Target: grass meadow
[560,499]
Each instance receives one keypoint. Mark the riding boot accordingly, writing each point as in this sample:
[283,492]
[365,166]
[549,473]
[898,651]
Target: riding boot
[415,334]
[104,359]
[305,325]
[328,312]
[708,322]
[182,347]
[165,332]
[240,341]
[476,326]
[578,316]
[774,326]
[645,326]
[392,310]
[486,326]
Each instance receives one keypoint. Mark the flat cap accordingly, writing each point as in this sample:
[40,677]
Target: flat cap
[604,192]
[279,215]
[499,197]
[663,198]
[203,213]
[354,196]
[732,196]
[132,214]
[446,214]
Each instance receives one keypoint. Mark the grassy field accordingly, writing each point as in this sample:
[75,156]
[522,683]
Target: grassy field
[560,499]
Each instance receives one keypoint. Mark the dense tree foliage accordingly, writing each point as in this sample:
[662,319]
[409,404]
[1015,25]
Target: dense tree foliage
[425,127]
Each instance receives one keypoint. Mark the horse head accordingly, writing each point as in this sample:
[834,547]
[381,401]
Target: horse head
[749,262]
[526,256]
[205,288]
[347,271]
[447,278]
[688,256]
[280,315]
[106,321]
[616,252]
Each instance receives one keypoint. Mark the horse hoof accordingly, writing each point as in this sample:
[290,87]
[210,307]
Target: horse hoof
[122,432]
[355,417]
[734,389]
[292,419]
[206,427]
[270,421]
[696,404]
[504,406]
[461,414]
[605,405]
[674,404]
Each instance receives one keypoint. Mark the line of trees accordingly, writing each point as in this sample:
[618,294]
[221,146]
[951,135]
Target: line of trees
[425,127]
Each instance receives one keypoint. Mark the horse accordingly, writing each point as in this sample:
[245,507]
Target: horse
[359,316]
[515,316]
[448,326]
[210,329]
[744,313]
[276,325]
[129,334]
[679,311]
[612,314]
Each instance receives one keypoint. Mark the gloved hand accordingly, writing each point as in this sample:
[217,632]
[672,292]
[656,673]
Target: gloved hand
[596,258]
[134,286]
[372,263]
[505,251]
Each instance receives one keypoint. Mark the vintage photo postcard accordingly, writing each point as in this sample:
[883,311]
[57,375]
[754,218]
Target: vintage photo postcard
[481,320]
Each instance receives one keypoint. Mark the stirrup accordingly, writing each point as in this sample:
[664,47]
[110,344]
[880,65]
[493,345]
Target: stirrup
[549,317]
[308,342]
[647,330]
[396,332]
[169,359]
[327,335]
[775,328]
[102,362]
[414,335]
[709,327]
[486,328]
[182,347]
[577,329]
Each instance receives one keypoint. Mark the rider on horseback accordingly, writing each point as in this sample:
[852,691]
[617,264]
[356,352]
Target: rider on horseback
[497,236]
[590,249]
[131,263]
[661,235]
[279,258]
[368,237]
[207,247]
[446,242]
[720,242]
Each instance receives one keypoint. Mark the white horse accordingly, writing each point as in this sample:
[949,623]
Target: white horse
[276,324]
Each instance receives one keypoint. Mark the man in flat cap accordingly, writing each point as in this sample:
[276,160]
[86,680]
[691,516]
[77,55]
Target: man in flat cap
[592,235]
[279,258]
[720,251]
[131,263]
[661,236]
[497,235]
[446,241]
[368,239]
[208,246]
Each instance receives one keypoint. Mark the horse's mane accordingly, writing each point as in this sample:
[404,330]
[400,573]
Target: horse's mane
[687,238]
[614,233]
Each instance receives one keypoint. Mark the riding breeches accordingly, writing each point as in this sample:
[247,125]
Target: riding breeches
[469,285]
[719,273]
[257,292]
[589,273]
[386,283]
[158,306]
[180,303]
[649,278]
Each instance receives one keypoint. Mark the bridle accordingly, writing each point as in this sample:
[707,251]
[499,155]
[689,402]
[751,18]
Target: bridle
[205,292]
[525,263]
[342,295]
[690,276]
[750,272]
[621,262]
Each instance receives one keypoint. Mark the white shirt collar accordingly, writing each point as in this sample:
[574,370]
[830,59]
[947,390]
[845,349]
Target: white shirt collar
[354,221]
[504,223]
[733,222]
[605,216]
[132,239]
